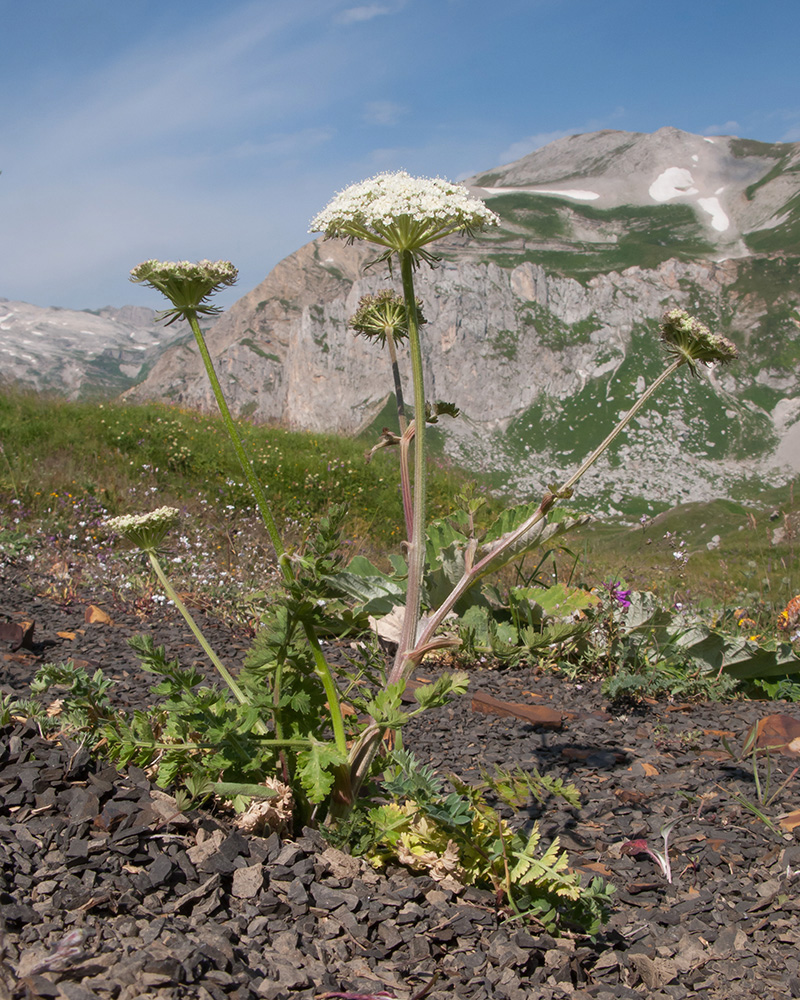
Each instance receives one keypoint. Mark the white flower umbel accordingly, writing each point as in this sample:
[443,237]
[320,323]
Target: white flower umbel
[188,286]
[687,338]
[145,531]
[401,212]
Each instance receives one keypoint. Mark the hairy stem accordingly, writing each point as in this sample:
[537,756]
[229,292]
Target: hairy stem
[416,553]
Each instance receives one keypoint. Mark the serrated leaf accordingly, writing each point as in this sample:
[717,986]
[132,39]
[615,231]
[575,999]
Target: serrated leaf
[316,769]
[385,706]
[449,685]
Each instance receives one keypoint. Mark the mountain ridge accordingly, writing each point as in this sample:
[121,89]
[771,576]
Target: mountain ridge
[80,353]
[543,330]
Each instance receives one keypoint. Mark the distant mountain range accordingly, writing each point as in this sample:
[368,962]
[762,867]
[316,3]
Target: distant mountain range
[81,353]
[544,330]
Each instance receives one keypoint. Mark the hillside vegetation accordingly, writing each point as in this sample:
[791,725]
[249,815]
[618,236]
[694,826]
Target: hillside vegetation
[65,467]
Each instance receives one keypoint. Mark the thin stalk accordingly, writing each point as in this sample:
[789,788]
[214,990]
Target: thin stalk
[222,670]
[476,571]
[322,668]
[405,437]
[398,385]
[416,553]
[241,454]
[405,481]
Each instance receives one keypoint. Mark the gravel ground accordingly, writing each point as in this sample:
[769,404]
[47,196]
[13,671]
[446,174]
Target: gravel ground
[107,892]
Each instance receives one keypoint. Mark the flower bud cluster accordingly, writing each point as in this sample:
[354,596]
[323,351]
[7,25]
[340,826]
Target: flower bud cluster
[688,338]
[146,531]
[382,315]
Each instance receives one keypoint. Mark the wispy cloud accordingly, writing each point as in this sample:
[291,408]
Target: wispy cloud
[365,13]
[384,112]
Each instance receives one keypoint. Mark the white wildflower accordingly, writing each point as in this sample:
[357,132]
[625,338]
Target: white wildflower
[687,338]
[146,531]
[401,212]
[187,285]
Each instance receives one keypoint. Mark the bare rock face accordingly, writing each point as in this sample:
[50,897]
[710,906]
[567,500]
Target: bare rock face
[544,330]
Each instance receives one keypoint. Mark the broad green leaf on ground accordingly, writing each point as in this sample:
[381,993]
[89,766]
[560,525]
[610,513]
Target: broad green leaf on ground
[745,659]
[375,592]
[558,601]
[645,613]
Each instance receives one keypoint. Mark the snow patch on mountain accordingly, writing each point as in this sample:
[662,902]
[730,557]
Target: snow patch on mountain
[562,193]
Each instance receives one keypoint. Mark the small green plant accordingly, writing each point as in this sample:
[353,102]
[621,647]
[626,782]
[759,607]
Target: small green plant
[12,708]
[83,701]
[457,833]
[661,858]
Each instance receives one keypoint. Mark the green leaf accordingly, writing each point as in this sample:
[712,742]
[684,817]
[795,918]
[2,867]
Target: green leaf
[316,769]
[538,534]
[558,601]
[385,707]
[442,690]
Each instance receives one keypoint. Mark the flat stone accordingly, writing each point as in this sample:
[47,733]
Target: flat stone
[247,882]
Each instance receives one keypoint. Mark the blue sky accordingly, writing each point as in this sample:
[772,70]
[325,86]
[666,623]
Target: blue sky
[133,129]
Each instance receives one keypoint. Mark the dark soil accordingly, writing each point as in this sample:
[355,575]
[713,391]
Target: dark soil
[107,892]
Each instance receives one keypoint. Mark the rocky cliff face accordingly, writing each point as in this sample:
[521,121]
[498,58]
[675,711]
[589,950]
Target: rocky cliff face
[543,332]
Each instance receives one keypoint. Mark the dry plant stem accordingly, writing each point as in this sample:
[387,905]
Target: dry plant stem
[472,575]
[416,553]
[405,481]
[321,665]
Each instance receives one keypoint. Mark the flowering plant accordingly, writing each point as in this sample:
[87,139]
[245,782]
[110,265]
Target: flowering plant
[329,759]
[188,286]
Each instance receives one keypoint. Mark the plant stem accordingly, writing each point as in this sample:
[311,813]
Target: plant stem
[398,385]
[416,553]
[405,479]
[483,566]
[241,454]
[405,436]
[322,668]
[222,670]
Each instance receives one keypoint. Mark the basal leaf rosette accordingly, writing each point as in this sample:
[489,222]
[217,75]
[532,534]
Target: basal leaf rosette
[187,285]
[145,531]
[383,315]
[401,212]
[687,338]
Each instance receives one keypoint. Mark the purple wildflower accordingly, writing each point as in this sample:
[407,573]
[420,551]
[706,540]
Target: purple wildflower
[622,597]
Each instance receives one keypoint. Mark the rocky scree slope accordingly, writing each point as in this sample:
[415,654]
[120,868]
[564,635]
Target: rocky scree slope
[544,330]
